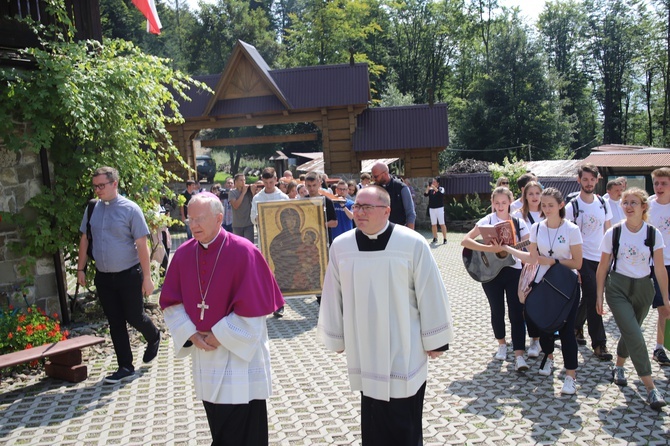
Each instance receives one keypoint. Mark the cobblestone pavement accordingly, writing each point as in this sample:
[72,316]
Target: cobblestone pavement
[470,398]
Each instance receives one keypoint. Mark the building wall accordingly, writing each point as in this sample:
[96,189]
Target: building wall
[20,180]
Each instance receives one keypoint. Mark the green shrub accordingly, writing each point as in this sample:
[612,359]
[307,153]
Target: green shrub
[472,208]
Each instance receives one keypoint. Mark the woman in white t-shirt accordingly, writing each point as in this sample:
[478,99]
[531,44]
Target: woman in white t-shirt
[530,204]
[556,240]
[504,285]
[629,289]
[530,212]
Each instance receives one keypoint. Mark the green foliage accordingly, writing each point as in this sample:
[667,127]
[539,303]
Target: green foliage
[28,328]
[219,26]
[87,105]
[424,37]
[510,169]
[472,208]
[393,97]
[328,32]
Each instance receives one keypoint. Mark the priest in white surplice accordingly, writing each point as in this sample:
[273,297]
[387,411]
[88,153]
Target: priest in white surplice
[217,292]
[385,305]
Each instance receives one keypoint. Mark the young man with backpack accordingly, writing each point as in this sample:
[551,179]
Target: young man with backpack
[591,213]
[659,216]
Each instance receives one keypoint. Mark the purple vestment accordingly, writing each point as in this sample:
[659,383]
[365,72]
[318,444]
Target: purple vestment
[242,282]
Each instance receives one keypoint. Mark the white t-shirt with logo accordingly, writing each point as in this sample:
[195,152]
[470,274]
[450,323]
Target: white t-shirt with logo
[634,256]
[492,219]
[659,217]
[557,240]
[591,221]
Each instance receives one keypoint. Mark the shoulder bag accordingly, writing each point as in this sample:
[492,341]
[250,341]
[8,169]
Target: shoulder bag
[550,300]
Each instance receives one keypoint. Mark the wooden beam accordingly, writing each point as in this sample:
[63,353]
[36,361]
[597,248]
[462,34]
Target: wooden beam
[267,139]
[222,122]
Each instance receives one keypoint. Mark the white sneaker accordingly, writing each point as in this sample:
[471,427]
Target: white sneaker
[547,369]
[501,355]
[534,349]
[569,386]
[520,364]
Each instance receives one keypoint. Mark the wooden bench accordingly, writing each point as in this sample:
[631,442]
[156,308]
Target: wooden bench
[64,358]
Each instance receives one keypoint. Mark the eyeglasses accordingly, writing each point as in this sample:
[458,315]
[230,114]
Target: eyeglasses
[365,207]
[101,186]
[632,204]
[504,183]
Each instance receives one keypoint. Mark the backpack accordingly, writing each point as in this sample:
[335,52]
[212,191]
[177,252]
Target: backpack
[616,235]
[89,234]
[575,206]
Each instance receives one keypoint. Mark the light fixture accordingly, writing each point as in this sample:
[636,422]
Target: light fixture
[259,126]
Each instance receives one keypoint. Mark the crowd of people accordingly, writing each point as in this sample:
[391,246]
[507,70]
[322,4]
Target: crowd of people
[240,199]
[619,245]
[383,300]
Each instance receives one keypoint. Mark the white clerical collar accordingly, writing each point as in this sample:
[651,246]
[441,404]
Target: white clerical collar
[112,201]
[206,245]
[377,234]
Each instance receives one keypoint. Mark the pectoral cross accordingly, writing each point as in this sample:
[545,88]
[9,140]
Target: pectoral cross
[202,307]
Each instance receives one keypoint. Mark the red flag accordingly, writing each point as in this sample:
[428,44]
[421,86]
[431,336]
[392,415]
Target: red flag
[148,8]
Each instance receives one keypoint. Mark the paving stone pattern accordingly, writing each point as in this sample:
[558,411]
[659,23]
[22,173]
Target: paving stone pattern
[470,398]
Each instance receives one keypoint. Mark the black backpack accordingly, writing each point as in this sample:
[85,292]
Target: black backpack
[89,235]
[616,235]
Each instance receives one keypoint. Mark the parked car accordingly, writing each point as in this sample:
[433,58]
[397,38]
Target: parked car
[206,167]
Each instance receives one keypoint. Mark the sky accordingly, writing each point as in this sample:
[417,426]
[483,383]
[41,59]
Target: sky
[529,8]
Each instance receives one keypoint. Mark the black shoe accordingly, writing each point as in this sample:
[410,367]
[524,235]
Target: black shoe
[444,242]
[579,334]
[661,357]
[279,312]
[120,374]
[602,353]
[435,240]
[152,350]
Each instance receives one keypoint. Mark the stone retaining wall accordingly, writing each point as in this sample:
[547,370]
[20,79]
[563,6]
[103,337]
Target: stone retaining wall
[20,180]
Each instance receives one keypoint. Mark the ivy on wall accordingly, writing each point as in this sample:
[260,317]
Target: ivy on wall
[89,104]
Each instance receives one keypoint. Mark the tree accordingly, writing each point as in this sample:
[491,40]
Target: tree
[482,11]
[88,105]
[513,109]
[561,26]
[425,38]
[332,32]
[614,40]
[219,27]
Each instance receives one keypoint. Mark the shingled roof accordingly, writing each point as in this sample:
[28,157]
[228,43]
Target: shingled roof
[303,88]
[408,127]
